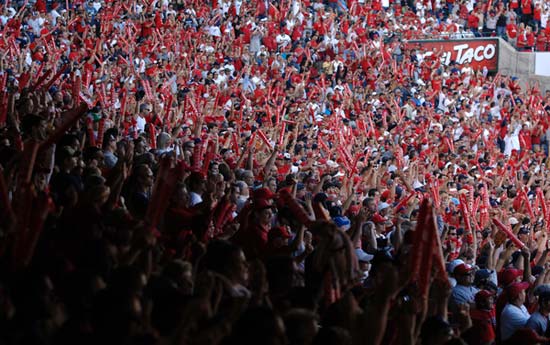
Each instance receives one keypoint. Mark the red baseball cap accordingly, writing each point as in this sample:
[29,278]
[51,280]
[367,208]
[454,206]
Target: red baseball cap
[462,269]
[515,288]
[279,231]
[508,276]
[483,295]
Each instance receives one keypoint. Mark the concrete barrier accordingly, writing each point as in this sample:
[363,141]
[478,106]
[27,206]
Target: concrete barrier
[520,64]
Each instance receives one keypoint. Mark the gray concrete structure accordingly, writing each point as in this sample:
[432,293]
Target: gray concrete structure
[519,64]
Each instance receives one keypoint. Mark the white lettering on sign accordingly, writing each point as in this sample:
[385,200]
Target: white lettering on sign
[480,53]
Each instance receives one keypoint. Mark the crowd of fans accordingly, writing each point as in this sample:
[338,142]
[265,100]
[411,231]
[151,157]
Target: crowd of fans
[269,172]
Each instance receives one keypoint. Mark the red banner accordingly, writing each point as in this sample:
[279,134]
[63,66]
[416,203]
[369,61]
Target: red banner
[478,52]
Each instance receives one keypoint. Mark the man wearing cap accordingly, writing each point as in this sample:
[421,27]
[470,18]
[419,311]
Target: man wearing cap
[539,320]
[464,291]
[515,314]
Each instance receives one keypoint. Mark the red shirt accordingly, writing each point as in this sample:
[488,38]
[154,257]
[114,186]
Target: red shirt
[483,327]
[512,30]
[473,21]
[530,39]
[526,7]
[536,13]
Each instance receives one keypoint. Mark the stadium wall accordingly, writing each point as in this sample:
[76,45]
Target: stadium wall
[522,65]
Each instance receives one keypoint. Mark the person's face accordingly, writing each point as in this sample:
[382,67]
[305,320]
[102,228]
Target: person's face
[371,206]
[266,216]
[235,192]
[40,181]
[140,147]
[272,185]
[249,179]
[105,192]
[146,177]
[452,232]
[214,169]
[239,268]
[524,236]
[308,237]
[39,131]
[465,279]
[521,297]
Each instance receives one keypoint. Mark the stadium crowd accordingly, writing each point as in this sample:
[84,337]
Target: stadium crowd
[269,172]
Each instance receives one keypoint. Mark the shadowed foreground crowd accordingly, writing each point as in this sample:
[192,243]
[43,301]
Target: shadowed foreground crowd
[253,173]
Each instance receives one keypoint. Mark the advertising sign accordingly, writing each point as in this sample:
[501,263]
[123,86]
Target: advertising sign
[478,52]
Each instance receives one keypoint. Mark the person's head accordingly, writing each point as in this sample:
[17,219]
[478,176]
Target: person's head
[163,141]
[93,157]
[140,146]
[524,234]
[436,331]
[109,143]
[544,302]
[484,300]
[383,209]
[516,293]
[271,183]
[464,274]
[40,180]
[509,276]
[228,260]
[369,204]
[279,236]
[248,177]
[145,109]
[214,168]
[144,176]
[180,273]
[67,158]
[264,214]
[196,183]
[301,326]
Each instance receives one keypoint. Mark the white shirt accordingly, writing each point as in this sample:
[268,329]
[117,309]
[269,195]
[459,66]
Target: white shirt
[512,319]
[140,123]
[544,19]
[214,31]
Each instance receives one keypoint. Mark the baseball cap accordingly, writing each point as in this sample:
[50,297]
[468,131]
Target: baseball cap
[482,274]
[483,295]
[262,203]
[262,193]
[342,222]
[508,276]
[453,264]
[382,206]
[542,289]
[514,289]
[279,231]
[378,219]
[513,221]
[462,269]
[362,256]
[523,231]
